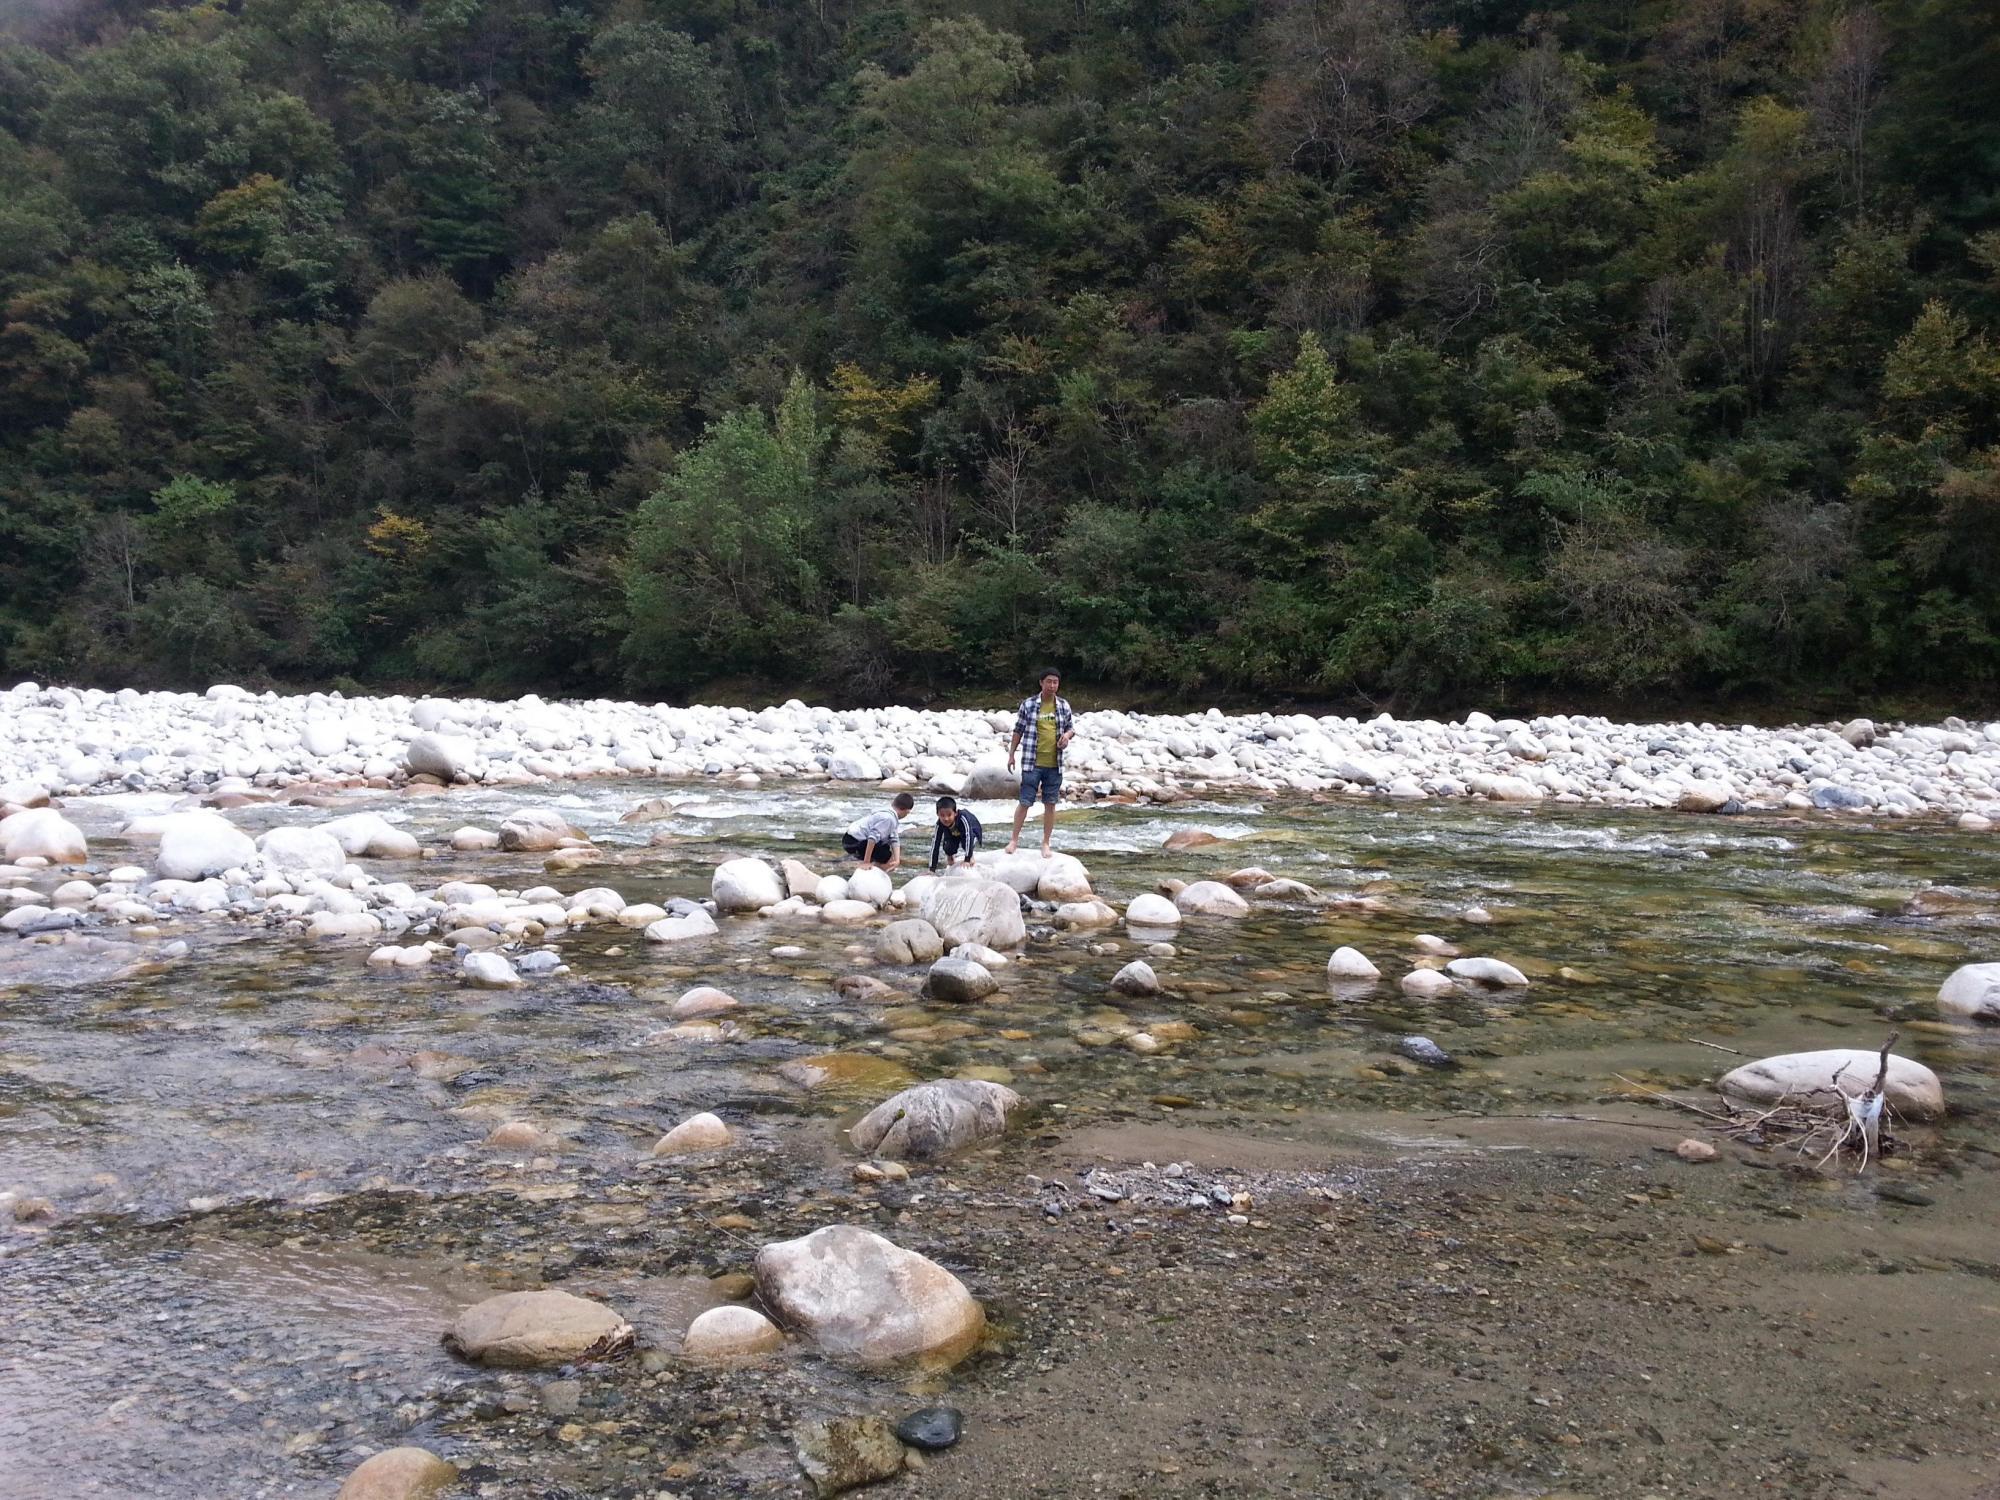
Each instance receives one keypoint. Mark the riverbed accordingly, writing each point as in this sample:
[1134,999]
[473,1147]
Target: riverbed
[268,1190]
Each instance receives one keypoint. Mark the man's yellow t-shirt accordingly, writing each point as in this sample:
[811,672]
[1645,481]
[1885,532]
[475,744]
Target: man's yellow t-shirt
[1045,737]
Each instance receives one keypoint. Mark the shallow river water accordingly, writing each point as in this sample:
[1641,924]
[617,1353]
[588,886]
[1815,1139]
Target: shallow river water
[169,1332]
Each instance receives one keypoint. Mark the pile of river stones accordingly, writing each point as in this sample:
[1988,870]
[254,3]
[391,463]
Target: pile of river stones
[64,741]
[843,1292]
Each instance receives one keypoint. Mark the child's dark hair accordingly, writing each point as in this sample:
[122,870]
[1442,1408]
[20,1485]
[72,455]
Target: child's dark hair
[904,802]
[947,804]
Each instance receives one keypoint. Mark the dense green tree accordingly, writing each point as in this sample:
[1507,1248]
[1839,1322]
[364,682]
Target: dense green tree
[1404,350]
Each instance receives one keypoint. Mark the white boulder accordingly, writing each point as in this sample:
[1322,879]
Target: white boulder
[745,885]
[1972,990]
[196,845]
[865,1301]
[42,833]
[1351,963]
[1912,1089]
[975,911]
[302,851]
[932,1120]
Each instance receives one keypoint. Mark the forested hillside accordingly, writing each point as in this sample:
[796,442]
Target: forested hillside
[1331,348]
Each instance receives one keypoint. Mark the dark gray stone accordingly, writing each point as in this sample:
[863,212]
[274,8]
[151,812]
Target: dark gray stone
[932,1428]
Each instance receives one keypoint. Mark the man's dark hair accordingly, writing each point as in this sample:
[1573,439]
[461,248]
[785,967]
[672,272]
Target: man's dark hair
[1055,672]
[904,802]
[947,804]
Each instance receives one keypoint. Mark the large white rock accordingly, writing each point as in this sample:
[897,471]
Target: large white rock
[1150,910]
[43,833]
[872,885]
[489,971]
[975,911]
[535,830]
[372,835]
[1136,978]
[346,924]
[1210,898]
[745,885]
[1703,796]
[1063,878]
[1426,984]
[910,941]
[933,1120]
[989,780]
[1973,990]
[523,1330]
[444,756]
[865,1301]
[731,1332]
[1487,971]
[1351,963]
[1504,788]
[1912,1089]
[850,763]
[196,845]
[302,851]
[702,1132]
[322,738]
[799,878]
[694,925]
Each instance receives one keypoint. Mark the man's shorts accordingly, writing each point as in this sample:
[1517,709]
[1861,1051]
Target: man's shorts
[1044,782]
[855,849]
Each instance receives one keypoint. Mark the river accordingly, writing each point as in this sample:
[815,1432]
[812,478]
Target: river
[270,1190]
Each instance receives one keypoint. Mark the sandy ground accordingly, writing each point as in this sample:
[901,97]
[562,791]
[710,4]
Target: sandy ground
[1583,1316]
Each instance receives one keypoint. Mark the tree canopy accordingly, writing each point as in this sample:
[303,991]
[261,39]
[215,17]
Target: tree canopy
[1406,350]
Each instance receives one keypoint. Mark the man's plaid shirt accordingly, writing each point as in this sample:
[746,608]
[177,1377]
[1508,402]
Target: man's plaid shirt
[1024,724]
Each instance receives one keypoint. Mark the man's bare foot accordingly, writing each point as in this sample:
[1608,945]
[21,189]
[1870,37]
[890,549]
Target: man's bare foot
[1015,847]
[1048,851]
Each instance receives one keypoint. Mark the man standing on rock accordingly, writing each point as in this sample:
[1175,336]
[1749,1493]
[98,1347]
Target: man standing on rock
[1044,722]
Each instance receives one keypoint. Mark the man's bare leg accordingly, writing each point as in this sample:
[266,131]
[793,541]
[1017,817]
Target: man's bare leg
[1048,829]
[1020,817]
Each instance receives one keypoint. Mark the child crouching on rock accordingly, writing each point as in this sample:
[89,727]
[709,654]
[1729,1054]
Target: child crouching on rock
[956,829]
[878,838]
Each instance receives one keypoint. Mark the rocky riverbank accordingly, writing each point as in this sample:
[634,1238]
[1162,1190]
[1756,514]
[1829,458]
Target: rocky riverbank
[63,741]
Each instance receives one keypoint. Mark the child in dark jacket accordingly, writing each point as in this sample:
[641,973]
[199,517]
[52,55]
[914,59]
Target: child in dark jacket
[957,830]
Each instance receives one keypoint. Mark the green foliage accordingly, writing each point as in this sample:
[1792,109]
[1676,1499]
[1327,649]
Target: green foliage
[1386,348]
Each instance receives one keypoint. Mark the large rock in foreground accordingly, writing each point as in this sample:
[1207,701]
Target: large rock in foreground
[933,1120]
[523,1330]
[867,1302]
[975,911]
[745,885]
[1913,1090]
[399,1474]
[1973,990]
